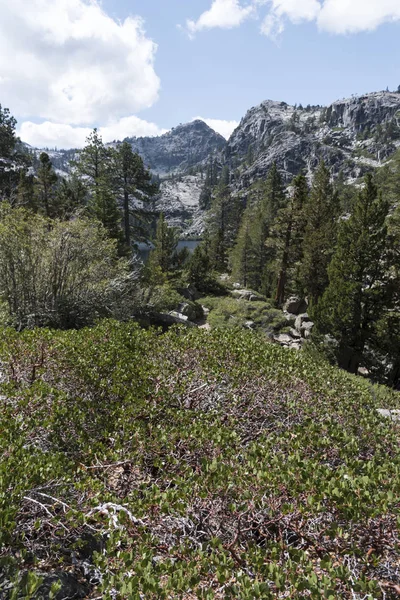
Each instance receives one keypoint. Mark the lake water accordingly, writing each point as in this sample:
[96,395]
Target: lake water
[145,249]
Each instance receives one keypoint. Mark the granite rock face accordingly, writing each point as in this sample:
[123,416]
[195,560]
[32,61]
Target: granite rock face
[351,135]
[184,147]
[179,201]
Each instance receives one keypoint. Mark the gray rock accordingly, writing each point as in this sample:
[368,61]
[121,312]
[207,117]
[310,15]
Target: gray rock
[306,329]
[300,321]
[187,310]
[295,305]
[363,371]
[189,293]
[295,346]
[71,588]
[298,138]
[295,334]
[284,339]
[166,320]
[184,146]
[248,295]
[249,325]
[178,316]
[393,415]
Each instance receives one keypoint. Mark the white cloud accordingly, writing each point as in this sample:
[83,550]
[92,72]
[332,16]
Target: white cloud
[272,26]
[225,14]
[225,128]
[335,16]
[295,10]
[69,62]
[342,16]
[51,135]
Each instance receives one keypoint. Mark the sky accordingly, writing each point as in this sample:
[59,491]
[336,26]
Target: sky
[141,67]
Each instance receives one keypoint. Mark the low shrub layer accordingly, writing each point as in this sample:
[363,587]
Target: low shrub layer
[193,464]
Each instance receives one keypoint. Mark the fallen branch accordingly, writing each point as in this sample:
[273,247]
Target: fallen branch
[110,506]
[39,504]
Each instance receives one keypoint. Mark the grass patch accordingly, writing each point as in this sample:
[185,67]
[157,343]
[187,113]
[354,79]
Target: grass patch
[232,313]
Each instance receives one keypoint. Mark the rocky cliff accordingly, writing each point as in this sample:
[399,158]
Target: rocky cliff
[184,147]
[352,136]
[179,201]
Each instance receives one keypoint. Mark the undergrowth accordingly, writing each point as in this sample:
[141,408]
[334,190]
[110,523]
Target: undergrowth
[192,465]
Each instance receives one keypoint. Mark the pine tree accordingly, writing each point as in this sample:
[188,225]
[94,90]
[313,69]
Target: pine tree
[165,244]
[321,213]
[224,223]
[12,157]
[252,256]
[134,185]
[26,196]
[358,278]
[46,185]
[199,272]
[95,166]
[244,259]
[71,196]
[289,234]
[273,200]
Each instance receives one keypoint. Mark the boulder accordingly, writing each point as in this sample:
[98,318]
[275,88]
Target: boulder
[363,371]
[166,320]
[295,346]
[69,587]
[300,320]
[295,334]
[295,305]
[284,339]
[306,329]
[249,325]
[179,317]
[189,293]
[393,415]
[247,295]
[187,310]
[255,298]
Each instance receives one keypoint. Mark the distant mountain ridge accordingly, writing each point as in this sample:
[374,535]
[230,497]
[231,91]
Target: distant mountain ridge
[184,147]
[352,136]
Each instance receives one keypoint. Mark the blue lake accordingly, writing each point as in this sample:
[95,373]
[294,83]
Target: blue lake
[145,249]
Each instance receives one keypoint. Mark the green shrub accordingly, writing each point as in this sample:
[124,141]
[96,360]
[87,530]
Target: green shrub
[211,464]
[60,274]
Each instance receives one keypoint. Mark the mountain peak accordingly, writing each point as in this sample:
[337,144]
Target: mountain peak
[185,145]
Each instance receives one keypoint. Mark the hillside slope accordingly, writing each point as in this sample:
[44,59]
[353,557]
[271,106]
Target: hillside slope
[192,465]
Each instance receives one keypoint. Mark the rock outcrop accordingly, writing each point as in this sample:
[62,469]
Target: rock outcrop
[182,148]
[352,136]
[178,200]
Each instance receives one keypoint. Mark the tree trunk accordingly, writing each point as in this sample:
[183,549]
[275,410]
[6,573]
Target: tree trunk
[126,219]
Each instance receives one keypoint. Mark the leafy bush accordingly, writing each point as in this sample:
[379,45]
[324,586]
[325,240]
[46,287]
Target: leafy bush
[199,464]
[61,274]
[163,297]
